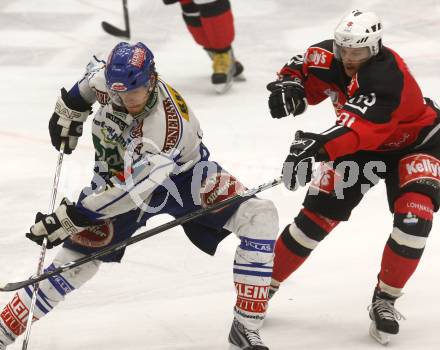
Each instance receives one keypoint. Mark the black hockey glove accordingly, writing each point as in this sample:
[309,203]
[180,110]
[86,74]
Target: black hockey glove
[66,123]
[287,97]
[58,226]
[298,166]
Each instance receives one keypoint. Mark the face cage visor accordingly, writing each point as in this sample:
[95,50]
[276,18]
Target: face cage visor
[352,54]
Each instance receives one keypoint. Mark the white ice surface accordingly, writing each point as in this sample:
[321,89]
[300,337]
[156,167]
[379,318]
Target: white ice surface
[167,294]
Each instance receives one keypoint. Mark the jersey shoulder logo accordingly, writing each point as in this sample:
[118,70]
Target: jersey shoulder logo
[179,102]
[317,57]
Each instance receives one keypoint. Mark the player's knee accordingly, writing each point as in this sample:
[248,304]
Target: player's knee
[56,287]
[77,276]
[256,224]
[417,177]
[259,218]
[413,214]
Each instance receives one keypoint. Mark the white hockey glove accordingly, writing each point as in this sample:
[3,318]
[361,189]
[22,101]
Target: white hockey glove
[66,123]
[62,223]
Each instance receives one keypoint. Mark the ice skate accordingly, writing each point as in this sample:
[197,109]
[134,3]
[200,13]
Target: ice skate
[273,288]
[225,69]
[245,339]
[238,76]
[5,340]
[384,317]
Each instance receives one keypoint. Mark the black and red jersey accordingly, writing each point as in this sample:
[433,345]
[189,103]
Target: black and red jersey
[381,108]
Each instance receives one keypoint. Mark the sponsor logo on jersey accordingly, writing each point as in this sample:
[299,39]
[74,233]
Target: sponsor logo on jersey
[102,97]
[173,127]
[219,187]
[110,137]
[318,58]
[325,179]
[419,166]
[115,119]
[251,298]
[337,99]
[15,315]
[399,140]
[136,133]
[95,236]
[353,86]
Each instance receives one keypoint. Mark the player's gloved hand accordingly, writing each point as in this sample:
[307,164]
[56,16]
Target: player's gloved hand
[66,123]
[287,97]
[56,227]
[298,166]
[169,2]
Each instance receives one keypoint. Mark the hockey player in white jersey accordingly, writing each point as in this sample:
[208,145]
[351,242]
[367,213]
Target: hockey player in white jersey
[150,159]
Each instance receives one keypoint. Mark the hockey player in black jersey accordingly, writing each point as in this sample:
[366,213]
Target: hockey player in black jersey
[382,119]
[211,24]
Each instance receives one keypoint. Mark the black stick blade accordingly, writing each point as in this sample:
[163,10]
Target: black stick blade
[112,30]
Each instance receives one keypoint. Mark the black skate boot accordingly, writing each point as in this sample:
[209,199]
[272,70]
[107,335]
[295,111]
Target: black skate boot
[245,339]
[384,316]
[238,70]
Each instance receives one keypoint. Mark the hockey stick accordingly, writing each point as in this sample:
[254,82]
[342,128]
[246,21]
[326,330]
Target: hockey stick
[238,198]
[56,180]
[111,29]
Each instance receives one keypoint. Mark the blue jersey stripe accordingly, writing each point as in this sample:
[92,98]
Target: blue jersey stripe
[253,273]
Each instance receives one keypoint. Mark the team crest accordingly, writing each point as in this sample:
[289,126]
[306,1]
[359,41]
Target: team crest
[95,236]
[219,187]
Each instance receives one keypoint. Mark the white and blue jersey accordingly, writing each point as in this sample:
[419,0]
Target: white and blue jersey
[150,164]
[135,154]
[145,165]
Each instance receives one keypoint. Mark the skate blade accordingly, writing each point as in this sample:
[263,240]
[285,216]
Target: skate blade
[239,78]
[380,337]
[222,88]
